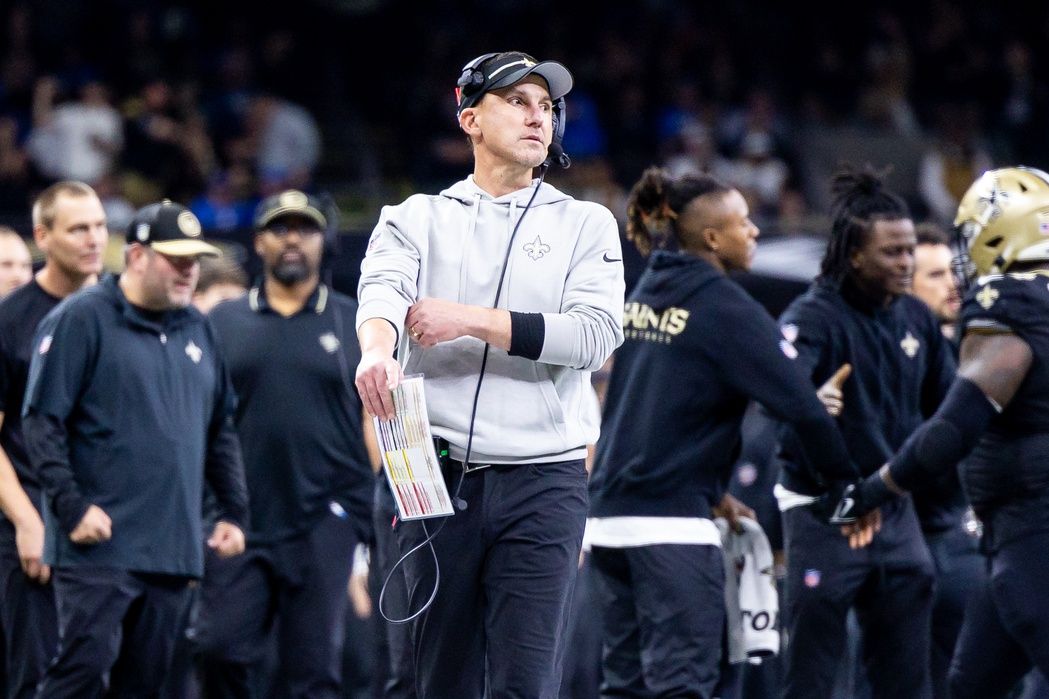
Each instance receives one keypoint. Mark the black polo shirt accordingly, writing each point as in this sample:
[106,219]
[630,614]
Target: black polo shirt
[298,413]
[20,313]
[128,410]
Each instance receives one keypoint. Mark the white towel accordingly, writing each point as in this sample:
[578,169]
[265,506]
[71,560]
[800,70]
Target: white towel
[751,600]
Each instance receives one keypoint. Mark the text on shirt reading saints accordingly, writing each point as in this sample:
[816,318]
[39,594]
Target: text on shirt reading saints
[641,322]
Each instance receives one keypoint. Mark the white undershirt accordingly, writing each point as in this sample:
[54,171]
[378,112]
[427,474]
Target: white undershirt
[627,532]
[788,499]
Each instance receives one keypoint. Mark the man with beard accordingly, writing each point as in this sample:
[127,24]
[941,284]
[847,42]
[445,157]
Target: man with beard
[290,347]
[942,508]
[126,413]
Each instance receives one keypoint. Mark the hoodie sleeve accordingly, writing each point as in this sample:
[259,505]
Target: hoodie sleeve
[590,325]
[389,272]
[752,357]
[65,346]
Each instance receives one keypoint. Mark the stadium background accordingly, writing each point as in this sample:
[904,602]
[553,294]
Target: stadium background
[768,97]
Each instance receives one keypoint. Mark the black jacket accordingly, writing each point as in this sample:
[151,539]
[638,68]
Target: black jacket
[128,411]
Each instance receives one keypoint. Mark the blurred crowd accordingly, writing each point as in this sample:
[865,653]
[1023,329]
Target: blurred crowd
[218,107]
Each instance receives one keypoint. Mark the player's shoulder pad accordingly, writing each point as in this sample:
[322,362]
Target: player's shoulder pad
[1010,300]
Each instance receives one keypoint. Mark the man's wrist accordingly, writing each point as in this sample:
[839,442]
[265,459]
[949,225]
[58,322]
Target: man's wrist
[491,325]
[25,516]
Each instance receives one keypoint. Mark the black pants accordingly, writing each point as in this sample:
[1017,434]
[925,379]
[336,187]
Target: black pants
[395,666]
[29,627]
[298,585]
[960,572]
[1004,632]
[507,566]
[114,623]
[890,584]
[664,619]
[582,673]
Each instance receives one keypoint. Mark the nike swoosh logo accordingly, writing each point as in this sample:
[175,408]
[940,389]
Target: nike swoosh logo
[606,258]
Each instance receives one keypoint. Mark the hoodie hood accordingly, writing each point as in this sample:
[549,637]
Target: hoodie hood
[672,277]
[467,192]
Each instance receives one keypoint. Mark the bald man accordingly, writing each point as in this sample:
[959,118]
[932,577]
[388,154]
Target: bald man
[16,265]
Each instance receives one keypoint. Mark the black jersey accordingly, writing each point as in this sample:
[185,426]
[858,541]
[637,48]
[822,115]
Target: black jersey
[20,313]
[1010,466]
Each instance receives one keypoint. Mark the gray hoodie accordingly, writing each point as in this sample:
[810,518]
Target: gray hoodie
[566,263]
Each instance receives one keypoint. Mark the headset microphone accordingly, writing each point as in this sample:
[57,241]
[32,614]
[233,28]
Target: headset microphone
[556,154]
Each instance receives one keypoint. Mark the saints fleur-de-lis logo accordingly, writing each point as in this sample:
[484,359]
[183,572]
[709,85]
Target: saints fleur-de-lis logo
[994,201]
[537,248]
[910,345]
[987,296]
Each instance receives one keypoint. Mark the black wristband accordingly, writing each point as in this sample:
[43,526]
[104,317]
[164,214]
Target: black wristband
[527,333]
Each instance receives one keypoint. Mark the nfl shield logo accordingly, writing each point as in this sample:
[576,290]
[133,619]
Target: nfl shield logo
[812,577]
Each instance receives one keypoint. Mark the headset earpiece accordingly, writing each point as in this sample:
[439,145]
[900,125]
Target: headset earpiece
[558,120]
[471,81]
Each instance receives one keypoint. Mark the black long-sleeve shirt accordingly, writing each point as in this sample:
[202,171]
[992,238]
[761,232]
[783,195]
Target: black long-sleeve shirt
[130,410]
[697,349]
[20,313]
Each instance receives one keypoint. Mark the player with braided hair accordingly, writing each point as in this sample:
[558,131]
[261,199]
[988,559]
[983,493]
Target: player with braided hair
[697,350]
[858,312]
[997,415]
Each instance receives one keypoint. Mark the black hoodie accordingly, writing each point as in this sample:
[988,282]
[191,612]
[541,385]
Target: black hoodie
[697,349]
[902,367]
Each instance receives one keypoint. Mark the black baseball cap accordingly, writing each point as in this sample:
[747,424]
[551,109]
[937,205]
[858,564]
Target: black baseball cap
[290,202]
[511,68]
[171,229]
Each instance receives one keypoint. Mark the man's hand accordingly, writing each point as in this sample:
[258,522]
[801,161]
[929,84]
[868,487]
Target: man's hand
[861,532]
[29,540]
[830,393]
[377,375]
[227,540]
[360,598]
[732,509]
[94,527]
[864,496]
[436,320]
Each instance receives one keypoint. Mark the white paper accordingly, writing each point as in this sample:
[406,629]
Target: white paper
[409,459]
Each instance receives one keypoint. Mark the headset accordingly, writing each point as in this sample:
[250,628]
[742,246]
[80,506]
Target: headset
[558,154]
[471,87]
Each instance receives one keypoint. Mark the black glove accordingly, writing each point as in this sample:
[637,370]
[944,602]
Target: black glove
[827,504]
[859,498]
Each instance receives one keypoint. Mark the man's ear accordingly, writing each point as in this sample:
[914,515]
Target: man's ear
[855,258]
[40,235]
[711,236]
[469,122]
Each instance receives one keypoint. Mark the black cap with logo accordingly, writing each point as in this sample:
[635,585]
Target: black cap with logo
[495,71]
[170,229]
[291,202]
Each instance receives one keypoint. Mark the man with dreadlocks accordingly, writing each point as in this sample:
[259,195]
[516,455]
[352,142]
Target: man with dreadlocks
[997,414]
[858,312]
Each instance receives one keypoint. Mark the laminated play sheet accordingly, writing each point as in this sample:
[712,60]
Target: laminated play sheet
[409,458]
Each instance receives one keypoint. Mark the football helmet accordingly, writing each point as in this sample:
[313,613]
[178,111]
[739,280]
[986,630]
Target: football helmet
[1002,219]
